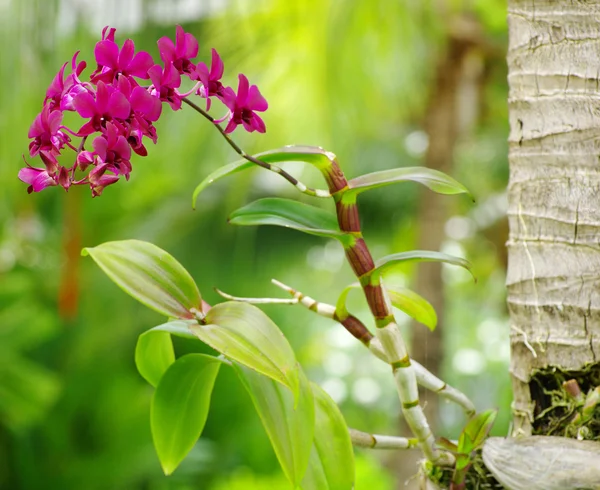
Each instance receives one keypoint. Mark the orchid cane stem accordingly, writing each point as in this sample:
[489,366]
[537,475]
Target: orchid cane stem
[360,259]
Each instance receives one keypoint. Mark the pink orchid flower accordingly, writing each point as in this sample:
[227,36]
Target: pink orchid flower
[243,105]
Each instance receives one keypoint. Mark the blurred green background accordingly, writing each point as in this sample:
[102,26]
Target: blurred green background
[381,84]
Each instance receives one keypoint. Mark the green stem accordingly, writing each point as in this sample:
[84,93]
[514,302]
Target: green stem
[273,168]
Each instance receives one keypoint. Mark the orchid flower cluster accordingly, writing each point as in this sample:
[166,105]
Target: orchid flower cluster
[120,111]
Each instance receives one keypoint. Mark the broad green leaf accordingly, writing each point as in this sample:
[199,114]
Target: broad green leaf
[180,407]
[154,354]
[218,174]
[314,155]
[243,333]
[414,305]
[340,306]
[331,465]
[289,424]
[390,261]
[150,275]
[290,214]
[434,179]
[476,430]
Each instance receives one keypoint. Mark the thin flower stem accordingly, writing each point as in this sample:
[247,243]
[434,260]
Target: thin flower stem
[376,441]
[272,168]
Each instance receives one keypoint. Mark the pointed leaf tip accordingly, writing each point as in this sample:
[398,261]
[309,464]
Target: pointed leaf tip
[433,179]
[150,275]
[180,407]
[288,420]
[414,305]
[389,261]
[289,214]
[218,174]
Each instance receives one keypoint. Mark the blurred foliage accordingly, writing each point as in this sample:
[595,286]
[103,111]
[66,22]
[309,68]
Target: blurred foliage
[351,76]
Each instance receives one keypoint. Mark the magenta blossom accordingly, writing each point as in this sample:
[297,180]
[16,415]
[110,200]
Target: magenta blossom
[99,179]
[243,105]
[114,151]
[119,113]
[164,83]
[211,80]
[37,178]
[180,53]
[61,92]
[46,132]
[108,104]
[40,178]
[113,61]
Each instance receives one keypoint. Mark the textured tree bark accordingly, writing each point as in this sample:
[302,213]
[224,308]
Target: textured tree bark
[553,275]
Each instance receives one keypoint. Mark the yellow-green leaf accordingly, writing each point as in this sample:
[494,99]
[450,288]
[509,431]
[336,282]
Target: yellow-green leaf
[243,333]
[288,423]
[150,275]
[180,407]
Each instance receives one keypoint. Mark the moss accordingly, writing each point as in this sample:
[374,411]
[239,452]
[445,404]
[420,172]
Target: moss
[558,413]
[478,477]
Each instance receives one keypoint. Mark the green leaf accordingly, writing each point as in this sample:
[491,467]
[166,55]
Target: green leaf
[447,444]
[289,425]
[150,275]
[390,261]
[331,465]
[218,174]
[340,306]
[414,305]
[154,354]
[434,179]
[477,430]
[180,407]
[243,333]
[314,155]
[290,214]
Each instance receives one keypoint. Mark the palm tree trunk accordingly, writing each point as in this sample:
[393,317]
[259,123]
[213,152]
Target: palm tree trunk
[553,275]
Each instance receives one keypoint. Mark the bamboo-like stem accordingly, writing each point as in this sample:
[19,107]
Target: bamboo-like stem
[273,168]
[425,378]
[429,381]
[361,261]
[387,332]
[376,441]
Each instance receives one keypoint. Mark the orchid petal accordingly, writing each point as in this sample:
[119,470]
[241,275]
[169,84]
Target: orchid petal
[190,46]
[255,101]
[126,54]
[140,65]
[258,123]
[166,48]
[85,105]
[231,125]
[107,53]
[155,74]
[242,93]
[102,98]
[57,85]
[217,67]
[100,146]
[148,105]
[119,106]
[54,120]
